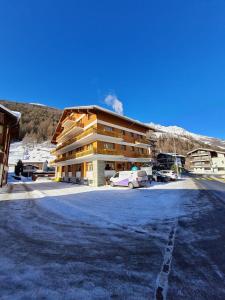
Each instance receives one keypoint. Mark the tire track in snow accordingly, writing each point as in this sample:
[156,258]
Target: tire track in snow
[162,278]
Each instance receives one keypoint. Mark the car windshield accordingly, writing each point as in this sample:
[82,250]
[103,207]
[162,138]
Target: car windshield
[141,173]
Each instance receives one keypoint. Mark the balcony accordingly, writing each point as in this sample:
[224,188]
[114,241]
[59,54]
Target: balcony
[110,133]
[206,153]
[69,132]
[201,166]
[75,155]
[204,158]
[87,132]
[108,152]
[68,122]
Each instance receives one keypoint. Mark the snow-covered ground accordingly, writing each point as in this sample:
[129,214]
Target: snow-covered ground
[65,241]
[33,152]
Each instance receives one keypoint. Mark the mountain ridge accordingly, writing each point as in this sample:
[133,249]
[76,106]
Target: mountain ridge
[183,133]
[38,123]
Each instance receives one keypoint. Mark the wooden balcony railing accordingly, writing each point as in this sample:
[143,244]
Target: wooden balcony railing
[76,138]
[65,132]
[75,155]
[110,133]
[109,152]
[101,151]
[90,130]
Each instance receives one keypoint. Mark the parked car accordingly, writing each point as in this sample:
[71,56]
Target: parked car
[131,179]
[169,173]
[159,177]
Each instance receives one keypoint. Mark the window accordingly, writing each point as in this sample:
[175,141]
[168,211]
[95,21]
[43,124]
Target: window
[89,147]
[123,132]
[109,165]
[141,150]
[116,175]
[108,128]
[69,168]
[123,147]
[221,169]
[89,166]
[132,134]
[70,153]
[109,146]
[132,148]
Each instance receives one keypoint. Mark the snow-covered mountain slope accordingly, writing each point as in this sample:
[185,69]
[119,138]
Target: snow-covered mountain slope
[183,133]
[32,152]
[38,104]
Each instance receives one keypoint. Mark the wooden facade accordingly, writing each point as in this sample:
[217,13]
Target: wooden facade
[9,129]
[90,135]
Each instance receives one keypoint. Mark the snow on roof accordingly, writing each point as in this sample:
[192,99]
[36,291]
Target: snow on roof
[112,113]
[39,104]
[16,114]
[205,149]
[11,112]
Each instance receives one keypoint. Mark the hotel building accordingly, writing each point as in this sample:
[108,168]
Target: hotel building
[206,161]
[92,143]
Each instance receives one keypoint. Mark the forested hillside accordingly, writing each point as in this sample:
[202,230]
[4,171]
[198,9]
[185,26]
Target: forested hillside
[37,122]
[169,143]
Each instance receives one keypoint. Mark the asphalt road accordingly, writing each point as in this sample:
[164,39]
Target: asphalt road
[44,256]
[198,267]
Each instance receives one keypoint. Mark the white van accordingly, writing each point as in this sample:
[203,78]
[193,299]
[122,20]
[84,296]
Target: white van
[131,179]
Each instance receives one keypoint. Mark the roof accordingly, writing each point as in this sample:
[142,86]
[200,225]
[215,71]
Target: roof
[14,114]
[112,113]
[205,149]
[172,154]
[99,108]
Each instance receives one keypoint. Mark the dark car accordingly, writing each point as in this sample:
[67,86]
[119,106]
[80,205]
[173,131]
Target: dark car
[157,176]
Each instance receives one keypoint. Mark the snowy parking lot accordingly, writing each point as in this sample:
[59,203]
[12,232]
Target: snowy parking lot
[64,241]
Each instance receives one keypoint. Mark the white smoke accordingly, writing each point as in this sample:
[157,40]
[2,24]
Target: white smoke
[115,103]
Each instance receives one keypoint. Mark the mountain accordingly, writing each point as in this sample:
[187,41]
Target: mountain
[38,121]
[184,140]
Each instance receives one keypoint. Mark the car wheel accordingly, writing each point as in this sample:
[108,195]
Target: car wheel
[130,185]
[112,184]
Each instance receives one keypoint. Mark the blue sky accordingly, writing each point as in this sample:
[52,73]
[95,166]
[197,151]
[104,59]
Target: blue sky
[165,60]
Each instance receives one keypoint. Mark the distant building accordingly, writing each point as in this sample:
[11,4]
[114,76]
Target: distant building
[203,160]
[93,143]
[167,160]
[9,129]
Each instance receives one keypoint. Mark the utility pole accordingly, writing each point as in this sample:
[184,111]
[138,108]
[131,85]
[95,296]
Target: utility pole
[175,151]
[151,138]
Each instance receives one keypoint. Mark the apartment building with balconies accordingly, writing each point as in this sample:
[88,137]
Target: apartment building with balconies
[92,143]
[206,161]
[9,129]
